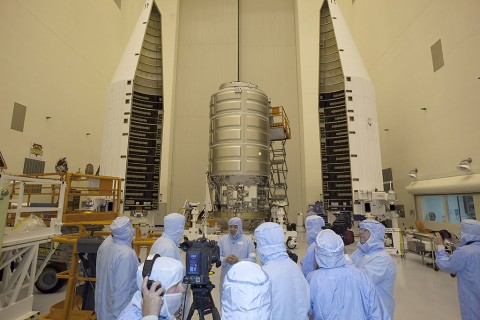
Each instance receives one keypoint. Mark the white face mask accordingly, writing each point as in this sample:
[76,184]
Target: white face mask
[171,304]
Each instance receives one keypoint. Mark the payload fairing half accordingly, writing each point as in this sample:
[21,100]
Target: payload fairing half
[349,141]
[132,142]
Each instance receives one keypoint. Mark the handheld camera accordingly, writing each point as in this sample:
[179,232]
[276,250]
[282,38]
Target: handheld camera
[200,255]
[147,270]
[292,255]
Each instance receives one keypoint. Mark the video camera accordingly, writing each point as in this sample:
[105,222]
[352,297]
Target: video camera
[200,255]
[292,255]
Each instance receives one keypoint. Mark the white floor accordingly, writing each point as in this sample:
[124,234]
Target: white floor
[420,292]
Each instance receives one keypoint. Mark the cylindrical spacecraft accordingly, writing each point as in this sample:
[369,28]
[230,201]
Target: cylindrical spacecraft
[239,157]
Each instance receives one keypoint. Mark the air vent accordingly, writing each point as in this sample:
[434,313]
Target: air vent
[18,117]
[32,166]
[437,55]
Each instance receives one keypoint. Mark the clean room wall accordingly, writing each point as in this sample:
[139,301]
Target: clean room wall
[207,57]
[394,39]
[57,59]
[268,58]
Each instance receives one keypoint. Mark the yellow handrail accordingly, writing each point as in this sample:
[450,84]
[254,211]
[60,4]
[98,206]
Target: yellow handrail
[278,118]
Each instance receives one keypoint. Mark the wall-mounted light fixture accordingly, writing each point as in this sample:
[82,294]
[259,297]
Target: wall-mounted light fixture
[3,164]
[464,165]
[413,173]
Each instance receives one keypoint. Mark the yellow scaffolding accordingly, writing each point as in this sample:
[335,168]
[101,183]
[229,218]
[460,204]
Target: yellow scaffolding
[70,308]
[279,120]
[78,186]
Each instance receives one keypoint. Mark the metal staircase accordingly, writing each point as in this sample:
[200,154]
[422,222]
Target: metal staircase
[279,134]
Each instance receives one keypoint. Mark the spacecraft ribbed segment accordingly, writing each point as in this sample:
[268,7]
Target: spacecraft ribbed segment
[239,158]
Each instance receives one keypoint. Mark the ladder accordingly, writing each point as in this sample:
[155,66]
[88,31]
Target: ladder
[279,134]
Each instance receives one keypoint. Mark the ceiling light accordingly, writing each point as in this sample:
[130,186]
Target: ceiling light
[413,173]
[464,165]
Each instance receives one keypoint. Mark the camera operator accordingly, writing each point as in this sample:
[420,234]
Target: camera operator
[465,262]
[157,303]
[290,290]
[234,247]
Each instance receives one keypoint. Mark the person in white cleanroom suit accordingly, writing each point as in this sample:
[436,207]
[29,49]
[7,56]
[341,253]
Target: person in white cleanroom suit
[169,272]
[313,225]
[234,247]
[371,258]
[339,290]
[290,290]
[247,293]
[167,244]
[116,268]
[465,262]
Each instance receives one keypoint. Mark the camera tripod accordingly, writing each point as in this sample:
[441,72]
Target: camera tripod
[203,301]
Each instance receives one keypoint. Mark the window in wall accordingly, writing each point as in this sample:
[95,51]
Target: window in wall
[453,208]
[433,208]
[461,207]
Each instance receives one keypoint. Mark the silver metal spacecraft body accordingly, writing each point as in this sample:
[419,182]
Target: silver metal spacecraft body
[239,156]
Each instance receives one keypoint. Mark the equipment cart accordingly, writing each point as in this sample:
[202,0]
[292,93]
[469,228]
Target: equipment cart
[422,244]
